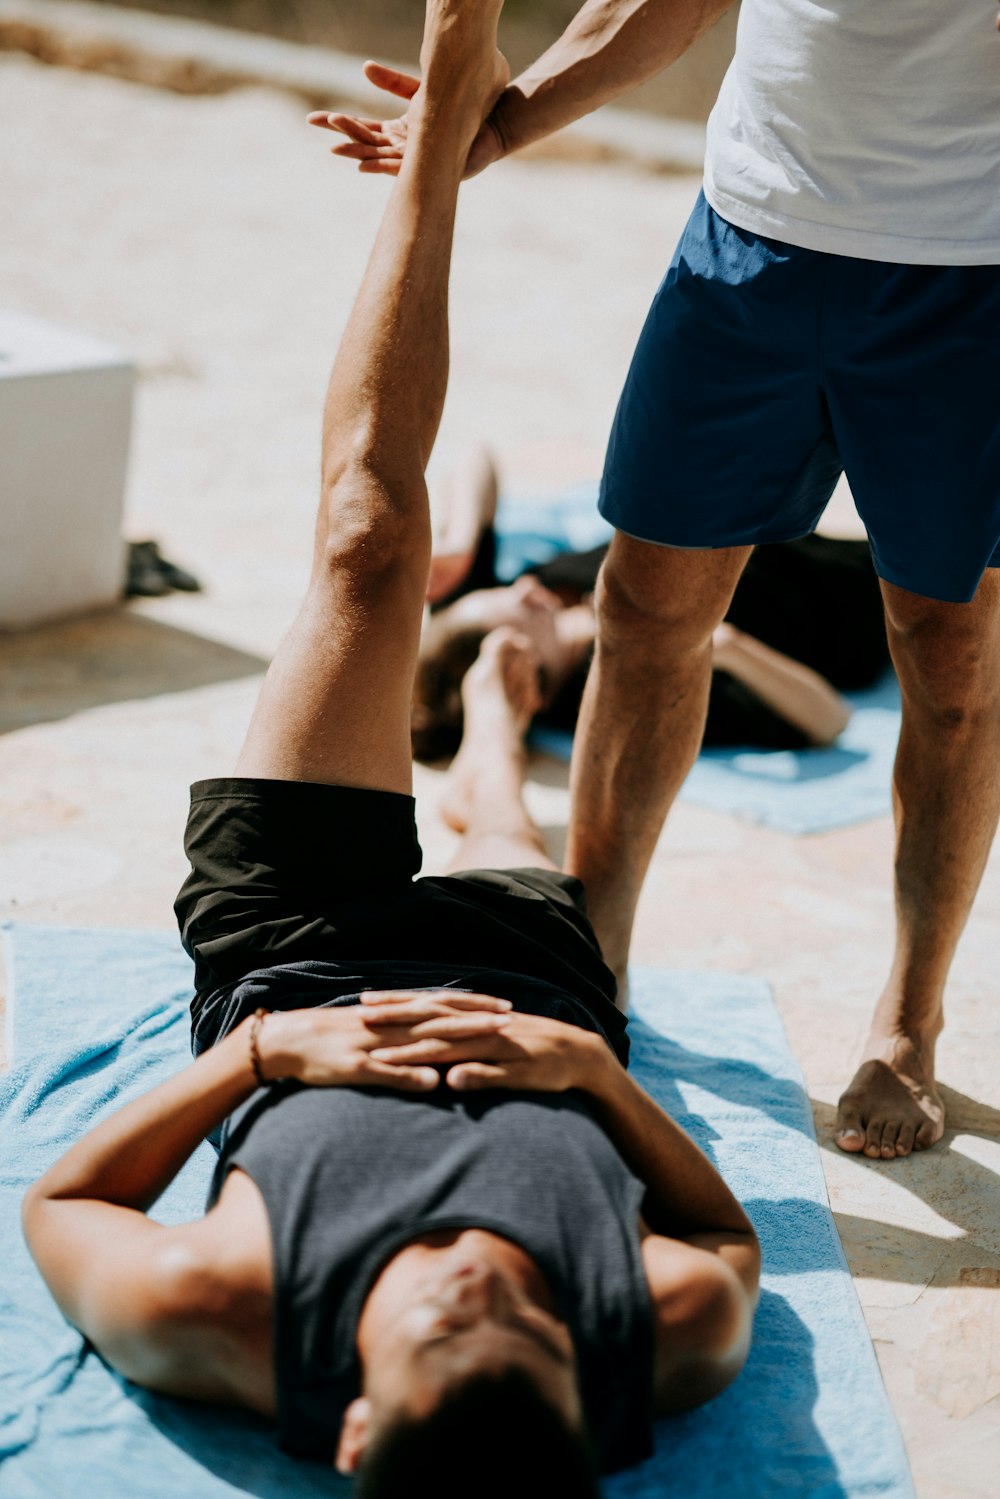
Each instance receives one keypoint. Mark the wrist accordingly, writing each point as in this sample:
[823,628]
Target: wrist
[596,1066]
[275,1051]
[501,126]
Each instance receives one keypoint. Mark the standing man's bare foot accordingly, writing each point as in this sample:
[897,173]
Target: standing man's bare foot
[501,694]
[892,1105]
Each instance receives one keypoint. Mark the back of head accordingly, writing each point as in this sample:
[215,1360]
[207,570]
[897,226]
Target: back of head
[494,1437]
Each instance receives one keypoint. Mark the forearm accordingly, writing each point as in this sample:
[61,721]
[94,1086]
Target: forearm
[796,692]
[609,47]
[132,1157]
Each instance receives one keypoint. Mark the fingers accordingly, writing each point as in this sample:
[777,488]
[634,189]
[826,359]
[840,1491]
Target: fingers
[403,85]
[433,1034]
[419,1026]
[441,1050]
[345,124]
[469,1076]
[365,132]
[403,1079]
[386,1005]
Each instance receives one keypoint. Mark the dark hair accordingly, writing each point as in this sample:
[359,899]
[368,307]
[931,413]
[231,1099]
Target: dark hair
[493,1436]
[436,715]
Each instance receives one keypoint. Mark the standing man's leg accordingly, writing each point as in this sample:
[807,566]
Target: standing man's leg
[946,794]
[642,718]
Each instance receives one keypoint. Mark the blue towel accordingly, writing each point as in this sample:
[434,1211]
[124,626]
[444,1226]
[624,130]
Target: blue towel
[99,1016]
[532,529]
[794,791]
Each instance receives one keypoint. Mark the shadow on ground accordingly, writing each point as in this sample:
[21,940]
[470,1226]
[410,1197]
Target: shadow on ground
[61,669]
[959,1190]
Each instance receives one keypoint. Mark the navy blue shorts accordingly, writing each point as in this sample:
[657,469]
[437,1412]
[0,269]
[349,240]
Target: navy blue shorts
[764,370]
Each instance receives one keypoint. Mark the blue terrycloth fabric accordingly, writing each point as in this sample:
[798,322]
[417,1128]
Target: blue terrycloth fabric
[794,791]
[99,1015]
[534,529]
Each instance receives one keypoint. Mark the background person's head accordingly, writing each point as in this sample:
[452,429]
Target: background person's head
[451,643]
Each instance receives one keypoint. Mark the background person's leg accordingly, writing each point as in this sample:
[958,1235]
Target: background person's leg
[642,718]
[335,706]
[946,795]
[485,784]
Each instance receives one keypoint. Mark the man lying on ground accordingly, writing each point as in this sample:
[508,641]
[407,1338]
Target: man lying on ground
[449,1242]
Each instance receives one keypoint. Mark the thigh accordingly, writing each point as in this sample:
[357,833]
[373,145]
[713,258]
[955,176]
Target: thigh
[722,435]
[913,359]
[279,866]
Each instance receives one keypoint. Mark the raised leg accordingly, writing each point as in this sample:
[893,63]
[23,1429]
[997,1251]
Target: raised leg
[946,795]
[642,718]
[335,706]
[485,783]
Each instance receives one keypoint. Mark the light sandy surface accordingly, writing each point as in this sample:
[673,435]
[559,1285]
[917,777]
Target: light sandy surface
[215,240]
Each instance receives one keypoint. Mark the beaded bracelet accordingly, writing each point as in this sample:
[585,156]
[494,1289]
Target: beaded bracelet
[258,1020]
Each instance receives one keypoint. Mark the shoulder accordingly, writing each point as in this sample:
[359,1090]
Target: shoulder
[702,1316]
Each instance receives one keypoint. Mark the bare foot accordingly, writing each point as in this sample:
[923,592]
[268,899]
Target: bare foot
[892,1105]
[500,695]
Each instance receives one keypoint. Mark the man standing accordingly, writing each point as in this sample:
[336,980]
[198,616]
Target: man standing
[834,303]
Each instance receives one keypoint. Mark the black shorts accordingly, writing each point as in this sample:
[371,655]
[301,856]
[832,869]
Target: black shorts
[302,894]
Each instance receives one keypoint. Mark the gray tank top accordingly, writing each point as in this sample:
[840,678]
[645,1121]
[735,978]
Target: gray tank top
[351,1175]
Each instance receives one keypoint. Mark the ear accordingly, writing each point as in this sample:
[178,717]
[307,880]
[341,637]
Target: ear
[354,1431]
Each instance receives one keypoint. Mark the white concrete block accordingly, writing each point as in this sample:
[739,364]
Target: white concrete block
[65,419]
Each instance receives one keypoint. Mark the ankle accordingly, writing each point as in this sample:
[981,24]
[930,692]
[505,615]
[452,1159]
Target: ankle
[899,1031]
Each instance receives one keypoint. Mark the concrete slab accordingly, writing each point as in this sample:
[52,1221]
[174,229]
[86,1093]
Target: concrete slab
[214,238]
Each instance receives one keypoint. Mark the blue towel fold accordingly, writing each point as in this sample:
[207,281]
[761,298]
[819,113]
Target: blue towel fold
[98,1016]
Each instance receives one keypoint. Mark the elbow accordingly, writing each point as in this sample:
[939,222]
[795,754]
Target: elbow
[705,1341]
[834,723]
[33,1205]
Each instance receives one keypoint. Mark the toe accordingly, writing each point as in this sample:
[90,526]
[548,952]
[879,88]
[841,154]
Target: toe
[889,1136]
[904,1140]
[850,1131]
[926,1136]
[873,1138]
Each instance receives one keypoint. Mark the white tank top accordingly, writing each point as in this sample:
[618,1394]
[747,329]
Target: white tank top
[863,127]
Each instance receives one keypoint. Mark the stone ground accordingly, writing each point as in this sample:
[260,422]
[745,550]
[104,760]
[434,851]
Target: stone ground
[214,239]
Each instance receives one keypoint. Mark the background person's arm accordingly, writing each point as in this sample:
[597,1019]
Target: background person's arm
[794,691]
[609,47]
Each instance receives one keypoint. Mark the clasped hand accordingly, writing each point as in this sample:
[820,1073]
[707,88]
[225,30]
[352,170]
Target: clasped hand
[409,1039]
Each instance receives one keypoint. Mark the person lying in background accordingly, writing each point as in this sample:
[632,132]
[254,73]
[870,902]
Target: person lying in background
[806,624]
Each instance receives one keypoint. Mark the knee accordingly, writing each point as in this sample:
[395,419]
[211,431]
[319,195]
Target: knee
[370,532]
[948,664]
[654,608]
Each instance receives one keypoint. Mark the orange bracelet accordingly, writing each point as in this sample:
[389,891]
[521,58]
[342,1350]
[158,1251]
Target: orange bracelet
[258,1020]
